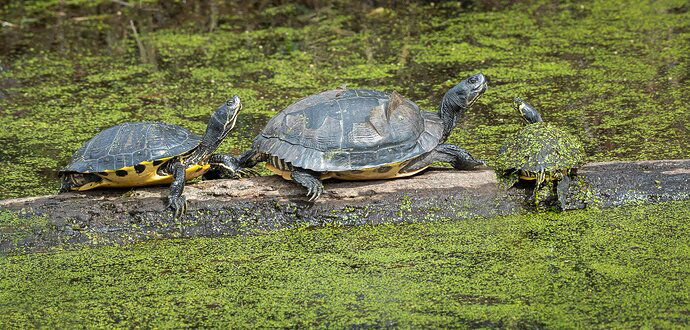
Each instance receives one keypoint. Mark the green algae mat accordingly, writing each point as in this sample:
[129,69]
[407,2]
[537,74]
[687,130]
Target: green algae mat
[625,267]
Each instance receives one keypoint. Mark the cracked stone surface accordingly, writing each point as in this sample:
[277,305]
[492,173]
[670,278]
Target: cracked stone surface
[255,205]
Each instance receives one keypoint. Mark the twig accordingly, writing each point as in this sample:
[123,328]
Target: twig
[7,24]
[124,3]
[127,4]
[140,45]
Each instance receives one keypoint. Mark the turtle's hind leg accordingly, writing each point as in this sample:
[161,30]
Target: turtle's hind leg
[309,180]
[226,166]
[74,181]
[562,190]
[446,153]
[250,158]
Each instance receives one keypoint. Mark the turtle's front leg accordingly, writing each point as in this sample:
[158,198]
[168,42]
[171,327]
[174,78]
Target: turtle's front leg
[176,200]
[310,180]
[446,153]
[66,184]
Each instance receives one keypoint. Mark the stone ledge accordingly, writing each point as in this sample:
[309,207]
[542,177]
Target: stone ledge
[255,205]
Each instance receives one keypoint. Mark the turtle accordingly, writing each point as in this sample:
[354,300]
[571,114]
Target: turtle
[539,152]
[359,134]
[149,153]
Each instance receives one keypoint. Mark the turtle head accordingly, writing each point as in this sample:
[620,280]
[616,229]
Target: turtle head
[464,94]
[472,88]
[225,116]
[528,112]
[459,98]
[220,124]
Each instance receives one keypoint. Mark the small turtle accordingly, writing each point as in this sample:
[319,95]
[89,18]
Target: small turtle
[354,134]
[149,153]
[539,152]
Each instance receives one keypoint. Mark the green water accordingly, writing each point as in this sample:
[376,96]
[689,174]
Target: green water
[621,268]
[615,73]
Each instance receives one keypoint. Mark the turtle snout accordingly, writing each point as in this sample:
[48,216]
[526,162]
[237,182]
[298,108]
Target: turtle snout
[234,105]
[517,102]
[479,81]
[234,102]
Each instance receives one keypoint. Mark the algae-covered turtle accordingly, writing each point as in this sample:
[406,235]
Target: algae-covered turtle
[354,134]
[149,153]
[539,152]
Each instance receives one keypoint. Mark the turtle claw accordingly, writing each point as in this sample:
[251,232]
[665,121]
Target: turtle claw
[242,173]
[310,181]
[314,193]
[178,205]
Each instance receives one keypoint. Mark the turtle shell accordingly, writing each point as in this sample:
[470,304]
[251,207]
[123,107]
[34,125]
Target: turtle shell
[345,129]
[538,148]
[129,144]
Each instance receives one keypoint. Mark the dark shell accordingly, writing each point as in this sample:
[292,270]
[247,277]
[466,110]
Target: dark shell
[340,130]
[540,147]
[129,144]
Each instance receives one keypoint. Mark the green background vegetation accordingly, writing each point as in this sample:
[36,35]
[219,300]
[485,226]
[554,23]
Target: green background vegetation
[614,73]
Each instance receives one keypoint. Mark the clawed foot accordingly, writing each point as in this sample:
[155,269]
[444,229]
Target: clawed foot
[309,180]
[481,165]
[314,191]
[562,191]
[178,205]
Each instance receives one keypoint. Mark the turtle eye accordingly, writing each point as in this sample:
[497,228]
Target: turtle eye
[472,80]
[235,100]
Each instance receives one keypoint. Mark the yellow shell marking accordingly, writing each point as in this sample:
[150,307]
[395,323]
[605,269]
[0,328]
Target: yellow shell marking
[148,177]
[546,176]
[389,171]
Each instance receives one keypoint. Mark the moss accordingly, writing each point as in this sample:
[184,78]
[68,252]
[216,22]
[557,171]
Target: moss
[16,227]
[623,267]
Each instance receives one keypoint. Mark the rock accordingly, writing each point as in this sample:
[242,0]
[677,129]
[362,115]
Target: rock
[259,204]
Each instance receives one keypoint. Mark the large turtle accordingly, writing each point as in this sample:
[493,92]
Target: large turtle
[539,152]
[361,135]
[149,153]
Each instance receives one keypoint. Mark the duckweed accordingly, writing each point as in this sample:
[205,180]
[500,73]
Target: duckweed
[616,268]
